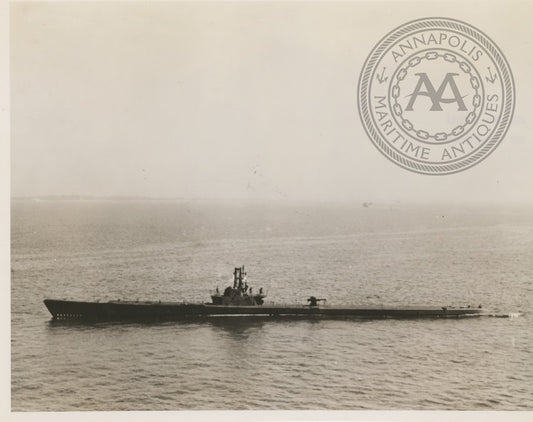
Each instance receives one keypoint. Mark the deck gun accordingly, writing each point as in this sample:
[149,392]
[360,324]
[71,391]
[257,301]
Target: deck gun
[313,301]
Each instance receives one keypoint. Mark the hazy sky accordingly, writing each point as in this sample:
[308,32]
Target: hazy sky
[233,100]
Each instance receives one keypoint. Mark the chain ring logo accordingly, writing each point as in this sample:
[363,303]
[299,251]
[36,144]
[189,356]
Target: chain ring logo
[436,96]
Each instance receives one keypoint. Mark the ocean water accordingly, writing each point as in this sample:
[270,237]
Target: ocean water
[392,254]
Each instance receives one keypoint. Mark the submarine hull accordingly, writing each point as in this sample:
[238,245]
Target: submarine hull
[149,311]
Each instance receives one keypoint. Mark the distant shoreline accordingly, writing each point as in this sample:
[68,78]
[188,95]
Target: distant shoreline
[348,201]
[194,199]
[99,198]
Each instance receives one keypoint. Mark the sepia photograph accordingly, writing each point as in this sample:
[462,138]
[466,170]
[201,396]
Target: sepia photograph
[269,210]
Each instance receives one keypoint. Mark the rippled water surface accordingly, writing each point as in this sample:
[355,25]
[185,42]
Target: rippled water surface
[391,255]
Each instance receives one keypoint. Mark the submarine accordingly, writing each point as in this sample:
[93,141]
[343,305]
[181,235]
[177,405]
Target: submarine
[238,300]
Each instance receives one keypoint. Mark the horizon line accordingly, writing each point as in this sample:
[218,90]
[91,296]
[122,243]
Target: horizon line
[364,202]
